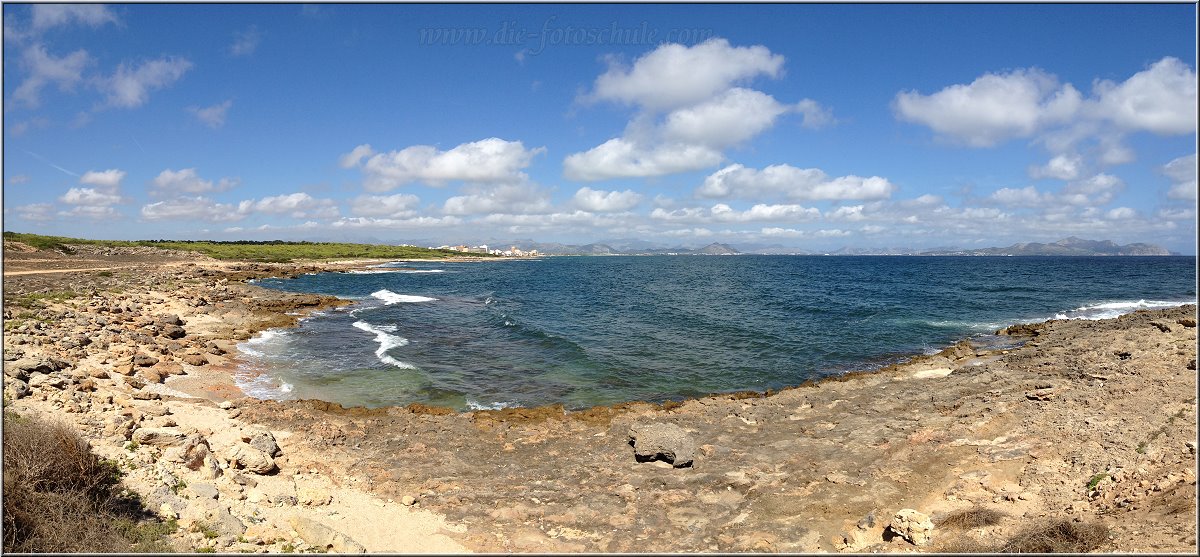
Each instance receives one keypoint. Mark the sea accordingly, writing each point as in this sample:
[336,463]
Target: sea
[585,331]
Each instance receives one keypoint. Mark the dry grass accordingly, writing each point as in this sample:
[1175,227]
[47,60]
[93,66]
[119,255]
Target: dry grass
[59,497]
[1059,536]
[976,517]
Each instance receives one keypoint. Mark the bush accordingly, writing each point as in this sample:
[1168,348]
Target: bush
[59,497]
[976,517]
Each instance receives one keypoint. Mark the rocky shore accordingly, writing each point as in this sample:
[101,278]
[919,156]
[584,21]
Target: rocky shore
[1091,423]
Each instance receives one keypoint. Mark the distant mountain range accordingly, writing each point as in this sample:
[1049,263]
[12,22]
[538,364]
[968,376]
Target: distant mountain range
[1067,246]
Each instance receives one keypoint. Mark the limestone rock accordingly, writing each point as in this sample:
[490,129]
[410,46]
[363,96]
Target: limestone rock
[15,388]
[194,359]
[322,536]
[42,380]
[667,442]
[313,496]
[912,525]
[161,436]
[251,459]
[143,360]
[265,442]
[203,490]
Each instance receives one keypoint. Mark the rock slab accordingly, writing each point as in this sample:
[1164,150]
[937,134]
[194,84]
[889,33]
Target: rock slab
[667,442]
[913,526]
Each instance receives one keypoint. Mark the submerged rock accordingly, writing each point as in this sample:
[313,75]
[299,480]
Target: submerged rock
[667,442]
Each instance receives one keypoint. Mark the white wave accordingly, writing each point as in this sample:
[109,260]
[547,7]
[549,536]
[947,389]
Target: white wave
[474,405]
[1109,310]
[286,387]
[255,345]
[390,297]
[414,271]
[368,271]
[386,342]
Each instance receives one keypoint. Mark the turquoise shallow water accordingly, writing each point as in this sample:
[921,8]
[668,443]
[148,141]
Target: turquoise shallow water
[599,330]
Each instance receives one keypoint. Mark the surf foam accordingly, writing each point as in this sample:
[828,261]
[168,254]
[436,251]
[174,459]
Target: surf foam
[1109,310]
[388,297]
[387,341]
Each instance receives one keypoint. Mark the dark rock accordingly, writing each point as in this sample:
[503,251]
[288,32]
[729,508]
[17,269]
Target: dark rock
[265,442]
[173,331]
[143,360]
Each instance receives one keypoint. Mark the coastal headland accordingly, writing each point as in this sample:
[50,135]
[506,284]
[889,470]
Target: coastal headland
[1081,436]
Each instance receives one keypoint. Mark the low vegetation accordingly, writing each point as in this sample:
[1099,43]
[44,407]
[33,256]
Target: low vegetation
[275,251]
[59,497]
[967,519]
[1054,536]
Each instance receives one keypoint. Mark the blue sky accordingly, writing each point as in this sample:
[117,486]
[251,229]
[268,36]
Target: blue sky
[808,126]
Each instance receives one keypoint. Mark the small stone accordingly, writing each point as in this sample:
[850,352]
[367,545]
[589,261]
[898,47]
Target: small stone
[265,442]
[408,500]
[226,405]
[313,496]
[195,359]
[204,490]
[163,437]
[251,459]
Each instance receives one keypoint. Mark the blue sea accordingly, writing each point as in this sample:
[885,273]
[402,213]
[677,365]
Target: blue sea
[583,331]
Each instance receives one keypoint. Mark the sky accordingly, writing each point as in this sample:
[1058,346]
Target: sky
[807,126]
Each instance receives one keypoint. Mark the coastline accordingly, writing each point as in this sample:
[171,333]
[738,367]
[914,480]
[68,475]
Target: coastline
[793,470]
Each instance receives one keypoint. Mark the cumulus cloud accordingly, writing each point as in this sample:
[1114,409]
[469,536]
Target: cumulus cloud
[399,205]
[297,205]
[192,208]
[1121,213]
[130,85]
[1028,196]
[1159,99]
[601,201]
[89,196]
[1182,173]
[690,108]
[397,223]
[993,108]
[186,180]
[1061,167]
[45,16]
[212,116]
[785,180]
[43,68]
[491,160]
[623,158]
[502,198]
[727,119]
[674,75]
[107,179]
[724,213]
[1095,190]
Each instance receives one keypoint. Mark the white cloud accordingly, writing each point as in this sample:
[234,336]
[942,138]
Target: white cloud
[993,108]
[107,179]
[796,183]
[387,223]
[847,212]
[44,69]
[622,158]
[400,205]
[491,160]
[355,156]
[192,208]
[188,181]
[724,213]
[1061,167]
[92,212]
[46,16]
[212,116]
[1028,196]
[1159,99]
[297,205]
[130,86]
[727,119]
[601,201]
[90,197]
[1094,191]
[503,198]
[1182,173]
[815,115]
[674,75]
[245,42]
[36,211]
[1121,213]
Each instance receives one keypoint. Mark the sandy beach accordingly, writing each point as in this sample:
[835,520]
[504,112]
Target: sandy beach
[1091,423]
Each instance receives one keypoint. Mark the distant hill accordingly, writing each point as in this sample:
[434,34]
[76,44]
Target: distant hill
[716,249]
[1066,246]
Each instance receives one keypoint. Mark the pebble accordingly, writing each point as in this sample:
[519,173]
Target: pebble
[408,500]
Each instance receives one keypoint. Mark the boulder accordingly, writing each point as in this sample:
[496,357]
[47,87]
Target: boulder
[912,525]
[172,331]
[667,442]
[194,359]
[324,537]
[265,442]
[160,436]
[143,360]
[251,459]
[41,380]
[15,388]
